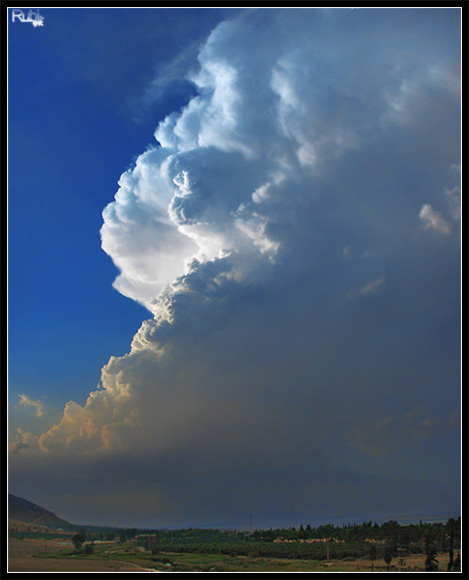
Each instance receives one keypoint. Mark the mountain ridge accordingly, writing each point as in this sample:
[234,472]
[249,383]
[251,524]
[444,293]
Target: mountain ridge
[27,512]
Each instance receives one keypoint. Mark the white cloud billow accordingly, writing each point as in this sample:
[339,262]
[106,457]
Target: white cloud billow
[255,123]
[25,401]
[433,220]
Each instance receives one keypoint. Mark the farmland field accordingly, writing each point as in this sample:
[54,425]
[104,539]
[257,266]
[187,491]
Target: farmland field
[44,555]
[23,557]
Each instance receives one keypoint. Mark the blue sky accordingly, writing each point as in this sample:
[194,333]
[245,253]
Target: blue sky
[76,121]
[234,265]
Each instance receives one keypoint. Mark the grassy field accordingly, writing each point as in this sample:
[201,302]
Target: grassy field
[45,555]
[41,555]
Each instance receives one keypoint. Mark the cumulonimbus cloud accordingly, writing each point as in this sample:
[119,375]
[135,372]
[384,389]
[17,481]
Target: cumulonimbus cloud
[311,131]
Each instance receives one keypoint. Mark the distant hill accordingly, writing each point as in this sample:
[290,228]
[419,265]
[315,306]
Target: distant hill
[24,511]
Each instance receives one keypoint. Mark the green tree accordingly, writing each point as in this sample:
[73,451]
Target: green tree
[78,539]
[431,563]
[451,552]
[388,557]
[372,556]
[450,528]
[89,549]
[390,531]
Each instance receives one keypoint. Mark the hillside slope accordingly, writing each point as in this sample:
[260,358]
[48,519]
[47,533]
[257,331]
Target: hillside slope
[29,513]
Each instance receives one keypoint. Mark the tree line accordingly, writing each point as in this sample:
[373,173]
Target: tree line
[389,540]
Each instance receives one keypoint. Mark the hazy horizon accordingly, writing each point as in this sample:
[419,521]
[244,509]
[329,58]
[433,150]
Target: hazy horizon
[273,521]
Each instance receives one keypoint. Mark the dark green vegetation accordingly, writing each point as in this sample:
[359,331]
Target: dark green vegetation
[387,546]
[368,546]
[389,541]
